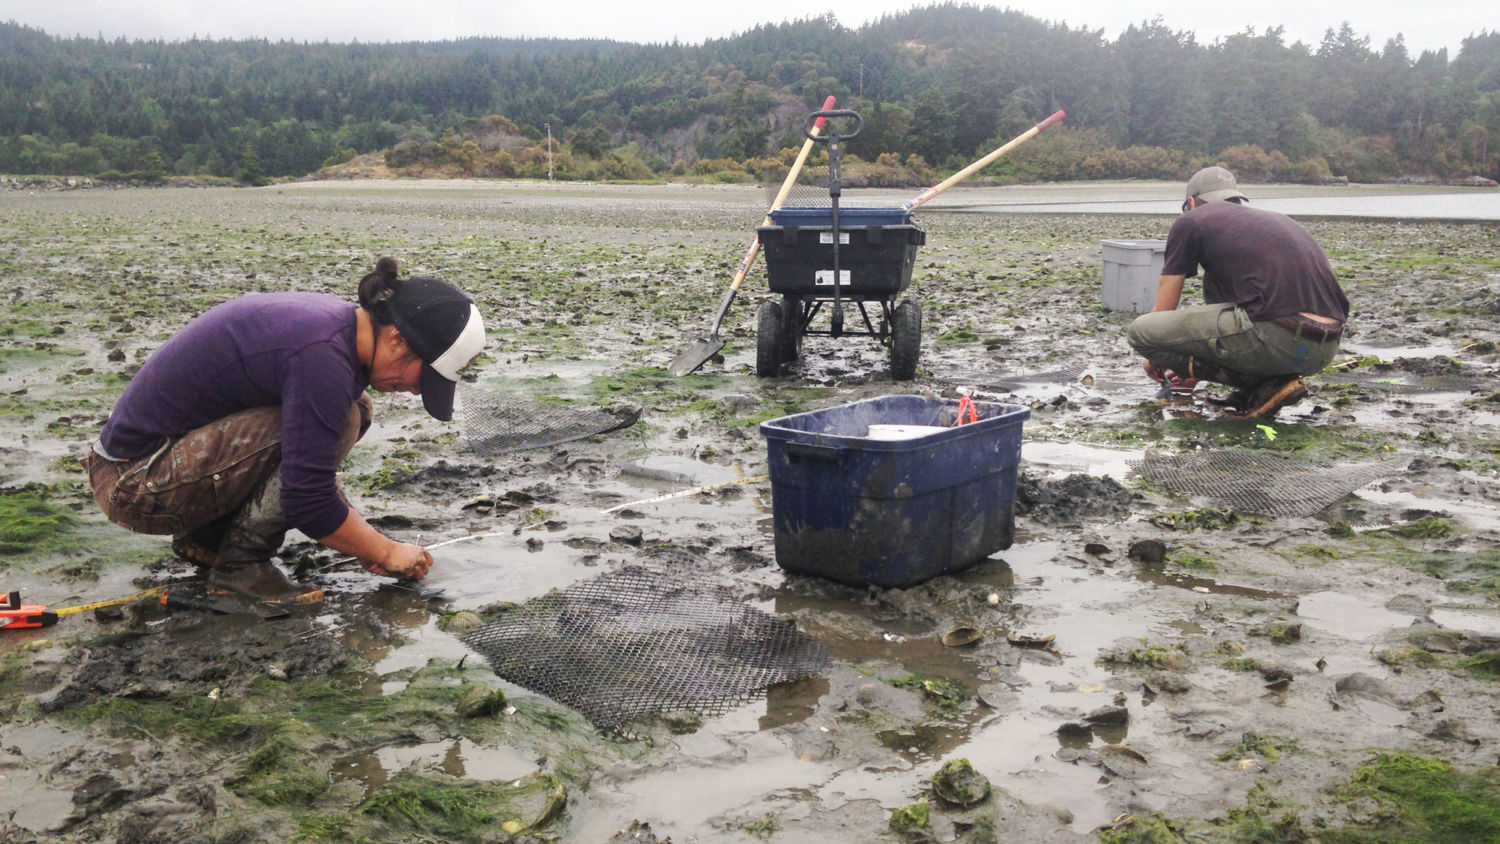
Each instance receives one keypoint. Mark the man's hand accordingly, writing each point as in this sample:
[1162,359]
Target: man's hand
[404,561]
[1178,383]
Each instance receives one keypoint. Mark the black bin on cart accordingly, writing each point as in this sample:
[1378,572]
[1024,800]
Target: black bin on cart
[877,250]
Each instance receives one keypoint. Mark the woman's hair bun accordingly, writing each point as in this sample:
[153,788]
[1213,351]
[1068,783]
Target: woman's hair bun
[377,287]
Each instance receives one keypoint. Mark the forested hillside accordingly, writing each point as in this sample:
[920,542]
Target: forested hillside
[937,86]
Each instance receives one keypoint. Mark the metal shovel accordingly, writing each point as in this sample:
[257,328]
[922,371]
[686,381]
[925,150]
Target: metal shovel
[699,351]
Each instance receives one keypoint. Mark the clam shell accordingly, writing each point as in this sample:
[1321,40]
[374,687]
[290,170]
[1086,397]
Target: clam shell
[962,635]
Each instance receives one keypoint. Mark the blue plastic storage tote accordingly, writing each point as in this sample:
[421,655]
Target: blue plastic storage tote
[892,512]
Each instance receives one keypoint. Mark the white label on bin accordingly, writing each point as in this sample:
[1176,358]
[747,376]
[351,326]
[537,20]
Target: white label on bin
[824,278]
[827,238]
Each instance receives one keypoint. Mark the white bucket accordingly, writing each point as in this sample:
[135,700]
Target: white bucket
[901,432]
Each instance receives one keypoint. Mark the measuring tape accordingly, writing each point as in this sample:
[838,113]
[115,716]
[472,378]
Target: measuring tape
[15,615]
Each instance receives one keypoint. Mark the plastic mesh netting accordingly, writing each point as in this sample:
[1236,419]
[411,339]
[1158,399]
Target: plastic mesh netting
[495,424]
[809,191]
[1260,482]
[641,640]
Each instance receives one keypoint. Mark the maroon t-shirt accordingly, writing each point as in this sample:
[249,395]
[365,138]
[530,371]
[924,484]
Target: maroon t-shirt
[296,350]
[1260,260]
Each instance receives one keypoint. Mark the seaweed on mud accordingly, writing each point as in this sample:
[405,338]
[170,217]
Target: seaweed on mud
[945,694]
[1421,799]
[1202,519]
[453,809]
[29,519]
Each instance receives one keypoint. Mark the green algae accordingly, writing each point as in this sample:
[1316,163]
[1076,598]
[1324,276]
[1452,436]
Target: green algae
[1267,747]
[945,694]
[1202,519]
[30,520]
[912,817]
[1422,799]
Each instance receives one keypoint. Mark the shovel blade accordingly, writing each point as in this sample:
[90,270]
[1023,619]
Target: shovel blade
[695,355]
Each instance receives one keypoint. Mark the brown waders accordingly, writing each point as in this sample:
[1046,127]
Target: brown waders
[1264,361]
[217,490]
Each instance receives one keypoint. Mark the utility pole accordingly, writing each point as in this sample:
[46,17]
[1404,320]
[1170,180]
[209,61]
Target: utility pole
[861,80]
[549,150]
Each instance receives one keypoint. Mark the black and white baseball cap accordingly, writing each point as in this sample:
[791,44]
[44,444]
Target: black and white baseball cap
[443,326]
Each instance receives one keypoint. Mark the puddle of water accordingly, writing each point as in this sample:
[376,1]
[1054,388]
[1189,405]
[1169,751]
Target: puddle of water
[461,758]
[718,774]
[1392,352]
[1070,458]
[1158,575]
[1468,620]
[31,805]
[1350,617]
[1476,513]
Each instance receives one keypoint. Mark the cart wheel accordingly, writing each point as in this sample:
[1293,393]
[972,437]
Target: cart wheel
[791,313]
[906,339]
[770,329]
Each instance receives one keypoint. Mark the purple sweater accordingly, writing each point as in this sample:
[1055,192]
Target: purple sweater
[296,350]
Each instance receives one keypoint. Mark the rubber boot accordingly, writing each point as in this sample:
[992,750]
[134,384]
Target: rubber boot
[1273,394]
[1243,384]
[200,545]
[243,564]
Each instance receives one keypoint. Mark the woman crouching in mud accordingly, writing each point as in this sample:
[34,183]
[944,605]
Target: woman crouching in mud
[233,431]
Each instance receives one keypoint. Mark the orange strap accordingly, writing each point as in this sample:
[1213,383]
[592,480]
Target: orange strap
[966,411]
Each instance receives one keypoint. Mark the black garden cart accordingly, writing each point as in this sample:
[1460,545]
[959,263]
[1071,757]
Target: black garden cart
[819,259]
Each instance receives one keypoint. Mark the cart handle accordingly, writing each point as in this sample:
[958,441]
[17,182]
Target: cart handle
[832,114]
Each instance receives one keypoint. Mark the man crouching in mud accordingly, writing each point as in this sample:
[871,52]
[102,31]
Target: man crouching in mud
[233,431]
[1274,311]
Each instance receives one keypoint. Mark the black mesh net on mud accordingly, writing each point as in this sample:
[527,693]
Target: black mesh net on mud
[495,424]
[1260,482]
[642,640]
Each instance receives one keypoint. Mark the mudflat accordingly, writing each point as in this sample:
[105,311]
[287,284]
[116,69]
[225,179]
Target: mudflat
[1141,664]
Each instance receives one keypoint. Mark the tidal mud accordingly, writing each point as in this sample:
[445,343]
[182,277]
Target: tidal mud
[1138,665]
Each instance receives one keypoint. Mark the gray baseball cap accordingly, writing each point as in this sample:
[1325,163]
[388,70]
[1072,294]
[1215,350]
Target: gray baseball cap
[1213,183]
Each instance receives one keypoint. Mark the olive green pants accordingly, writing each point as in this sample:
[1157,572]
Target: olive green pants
[1245,353]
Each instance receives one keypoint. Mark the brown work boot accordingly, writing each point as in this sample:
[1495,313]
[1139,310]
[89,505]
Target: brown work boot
[1273,394]
[187,548]
[200,546]
[259,579]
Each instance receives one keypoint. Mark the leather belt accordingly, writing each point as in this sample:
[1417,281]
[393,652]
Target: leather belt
[1311,330]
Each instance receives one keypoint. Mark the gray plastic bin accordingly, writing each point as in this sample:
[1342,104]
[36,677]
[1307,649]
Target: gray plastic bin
[1132,269]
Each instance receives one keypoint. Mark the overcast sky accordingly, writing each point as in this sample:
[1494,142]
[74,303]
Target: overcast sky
[1426,25]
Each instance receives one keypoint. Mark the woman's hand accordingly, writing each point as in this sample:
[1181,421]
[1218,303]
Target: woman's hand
[407,562]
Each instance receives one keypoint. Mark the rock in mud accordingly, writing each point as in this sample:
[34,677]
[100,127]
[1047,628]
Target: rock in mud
[1172,684]
[958,783]
[1108,715]
[626,534]
[482,702]
[1149,551]
[460,622]
[637,833]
